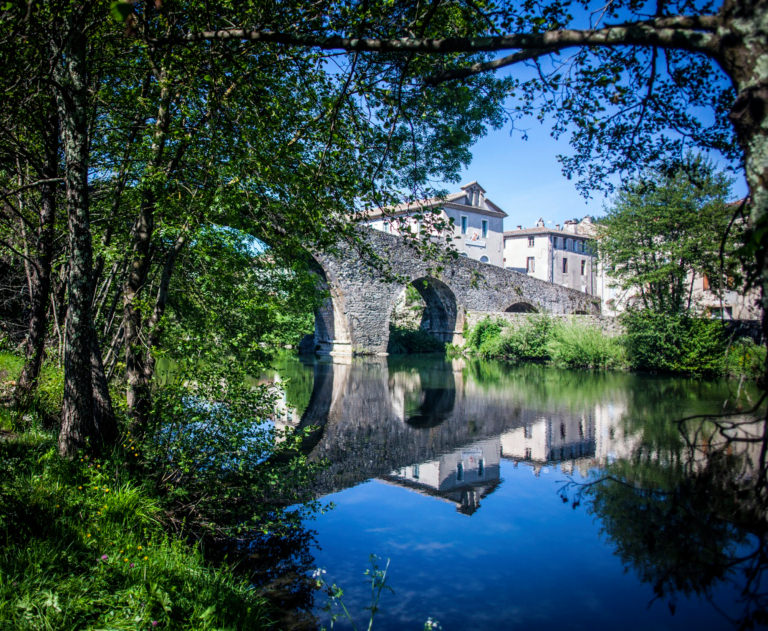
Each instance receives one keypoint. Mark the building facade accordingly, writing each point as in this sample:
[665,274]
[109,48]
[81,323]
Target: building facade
[564,256]
[474,223]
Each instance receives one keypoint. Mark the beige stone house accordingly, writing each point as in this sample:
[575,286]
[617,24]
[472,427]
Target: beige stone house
[476,223]
[561,255]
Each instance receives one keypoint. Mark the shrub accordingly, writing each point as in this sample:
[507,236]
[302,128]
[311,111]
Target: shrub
[744,357]
[674,343]
[497,338]
[576,346]
[484,330]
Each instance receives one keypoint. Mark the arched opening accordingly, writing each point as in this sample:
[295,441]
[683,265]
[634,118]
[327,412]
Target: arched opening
[521,307]
[331,334]
[423,395]
[423,318]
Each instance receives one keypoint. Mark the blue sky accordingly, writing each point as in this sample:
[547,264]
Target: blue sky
[523,177]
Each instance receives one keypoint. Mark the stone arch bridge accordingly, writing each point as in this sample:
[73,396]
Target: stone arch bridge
[354,320]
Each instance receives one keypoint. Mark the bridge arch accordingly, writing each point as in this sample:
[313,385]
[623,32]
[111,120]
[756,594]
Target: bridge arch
[355,319]
[521,307]
[441,310]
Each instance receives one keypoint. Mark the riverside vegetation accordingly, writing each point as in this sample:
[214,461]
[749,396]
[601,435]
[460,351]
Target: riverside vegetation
[655,342]
[125,540]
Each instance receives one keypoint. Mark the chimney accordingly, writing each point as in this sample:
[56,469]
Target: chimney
[519,227]
[557,226]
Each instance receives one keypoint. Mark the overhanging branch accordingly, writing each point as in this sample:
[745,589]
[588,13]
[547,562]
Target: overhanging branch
[695,33]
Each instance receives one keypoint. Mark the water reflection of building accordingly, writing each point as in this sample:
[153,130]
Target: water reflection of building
[420,425]
[464,476]
[284,416]
[576,441]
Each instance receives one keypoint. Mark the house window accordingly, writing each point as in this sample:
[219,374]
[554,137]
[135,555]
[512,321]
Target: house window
[527,431]
[460,472]
[555,242]
[565,265]
[463,224]
[528,453]
[483,259]
[567,244]
[481,468]
[705,283]
[530,264]
[415,472]
[485,228]
[583,267]
[530,242]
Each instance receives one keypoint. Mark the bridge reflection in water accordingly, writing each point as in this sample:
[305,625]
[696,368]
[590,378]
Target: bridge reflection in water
[430,427]
[686,509]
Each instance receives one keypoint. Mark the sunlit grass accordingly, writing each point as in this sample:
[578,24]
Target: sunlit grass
[84,547]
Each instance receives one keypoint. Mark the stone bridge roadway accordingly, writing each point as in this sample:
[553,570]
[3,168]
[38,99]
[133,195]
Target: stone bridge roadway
[355,319]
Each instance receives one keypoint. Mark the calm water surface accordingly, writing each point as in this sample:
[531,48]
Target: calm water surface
[530,497]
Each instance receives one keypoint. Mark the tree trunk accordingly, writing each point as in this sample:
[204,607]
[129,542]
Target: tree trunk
[77,414]
[154,326]
[136,349]
[105,424]
[743,57]
[40,278]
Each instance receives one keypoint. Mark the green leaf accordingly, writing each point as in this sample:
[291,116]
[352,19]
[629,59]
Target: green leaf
[120,10]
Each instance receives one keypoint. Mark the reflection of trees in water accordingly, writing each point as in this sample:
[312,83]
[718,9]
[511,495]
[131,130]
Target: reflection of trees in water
[687,509]
[689,516]
[277,564]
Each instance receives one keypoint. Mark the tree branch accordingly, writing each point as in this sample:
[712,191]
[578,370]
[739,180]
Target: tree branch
[695,33]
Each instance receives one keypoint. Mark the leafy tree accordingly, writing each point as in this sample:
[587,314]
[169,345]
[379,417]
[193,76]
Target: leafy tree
[316,109]
[163,140]
[638,82]
[665,229]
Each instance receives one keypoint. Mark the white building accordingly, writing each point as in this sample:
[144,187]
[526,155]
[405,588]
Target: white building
[474,222]
[564,256]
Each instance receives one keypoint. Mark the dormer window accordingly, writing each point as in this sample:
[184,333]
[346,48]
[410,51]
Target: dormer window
[474,194]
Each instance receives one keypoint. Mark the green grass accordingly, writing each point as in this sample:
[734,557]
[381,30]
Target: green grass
[575,346]
[46,402]
[652,342]
[82,546]
[83,543]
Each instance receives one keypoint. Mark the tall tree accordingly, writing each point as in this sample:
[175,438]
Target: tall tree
[159,140]
[665,229]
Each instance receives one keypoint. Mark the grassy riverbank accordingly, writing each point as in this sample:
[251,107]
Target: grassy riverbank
[651,342]
[88,544]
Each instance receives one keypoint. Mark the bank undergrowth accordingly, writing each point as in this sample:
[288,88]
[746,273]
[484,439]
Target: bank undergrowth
[115,542]
[650,342]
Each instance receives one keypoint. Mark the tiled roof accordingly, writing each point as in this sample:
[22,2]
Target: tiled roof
[450,201]
[532,231]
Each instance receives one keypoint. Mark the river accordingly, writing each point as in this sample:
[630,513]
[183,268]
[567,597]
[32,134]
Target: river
[527,497]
